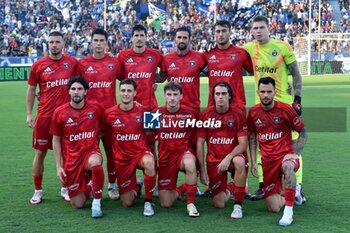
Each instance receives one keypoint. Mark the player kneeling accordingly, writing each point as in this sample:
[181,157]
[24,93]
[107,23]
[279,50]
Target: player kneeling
[227,142]
[174,150]
[271,123]
[130,149]
[75,128]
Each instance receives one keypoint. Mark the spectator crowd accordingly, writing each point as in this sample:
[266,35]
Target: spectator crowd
[25,24]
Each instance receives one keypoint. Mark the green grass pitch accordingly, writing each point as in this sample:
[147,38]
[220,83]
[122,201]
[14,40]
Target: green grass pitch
[326,174]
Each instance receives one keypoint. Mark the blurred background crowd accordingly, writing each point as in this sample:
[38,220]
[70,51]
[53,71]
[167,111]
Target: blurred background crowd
[25,24]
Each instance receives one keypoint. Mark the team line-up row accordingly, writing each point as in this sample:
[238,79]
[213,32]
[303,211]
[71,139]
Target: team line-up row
[71,124]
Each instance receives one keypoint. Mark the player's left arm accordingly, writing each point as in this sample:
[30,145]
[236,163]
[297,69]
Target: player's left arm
[297,85]
[239,149]
[57,148]
[300,142]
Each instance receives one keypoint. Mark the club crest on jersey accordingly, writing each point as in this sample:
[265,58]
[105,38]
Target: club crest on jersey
[138,119]
[90,115]
[274,53]
[110,66]
[65,65]
[230,123]
[191,63]
[276,119]
[149,58]
[233,56]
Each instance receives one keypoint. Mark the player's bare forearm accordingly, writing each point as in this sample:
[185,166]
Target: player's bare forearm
[300,143]
[57,149]
[30,98]
[297,80]
[200,153]
[241,147]
[253,143]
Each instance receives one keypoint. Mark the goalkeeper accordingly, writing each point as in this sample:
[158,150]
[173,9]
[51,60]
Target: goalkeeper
[274,58]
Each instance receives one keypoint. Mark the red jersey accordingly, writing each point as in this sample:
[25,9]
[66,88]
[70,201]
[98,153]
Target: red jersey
[226,65]
[101,75]
[128,135]
[273,129]
[176,133]
[185,70]
[52,77]
[222,140]
[79,131]
[142,68]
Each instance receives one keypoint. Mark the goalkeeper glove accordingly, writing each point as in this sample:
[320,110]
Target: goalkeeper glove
[297,105]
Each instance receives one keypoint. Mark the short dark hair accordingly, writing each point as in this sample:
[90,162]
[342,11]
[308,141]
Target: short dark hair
[223,84]
[183,29]
[222,23]
[99,31]
[174,86]
[56,33]
[260,18]
[128,81]
[78,79]
[267,80]
[138,27]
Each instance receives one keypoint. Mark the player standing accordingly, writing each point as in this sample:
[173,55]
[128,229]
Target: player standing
[225,63]
[101,71]
[274,58]
[51,74]
[227,144]
[175,150]
[130,149]
[271,123]
[75,128]
[184,66]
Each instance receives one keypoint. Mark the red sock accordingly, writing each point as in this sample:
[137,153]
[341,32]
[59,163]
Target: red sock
[181,189]
[150,183]
[289,195]
[98,179]
[38,181]
[231,187]
[191,192]
[112,176]
[239,194]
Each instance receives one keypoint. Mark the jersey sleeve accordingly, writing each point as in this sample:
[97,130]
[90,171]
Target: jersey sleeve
[250,122]
[293,119]
[33,76]
[55,128]
[288,54]
[104,126]
[247,62]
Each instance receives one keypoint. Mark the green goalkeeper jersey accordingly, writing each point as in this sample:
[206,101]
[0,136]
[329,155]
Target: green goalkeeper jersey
[271,60]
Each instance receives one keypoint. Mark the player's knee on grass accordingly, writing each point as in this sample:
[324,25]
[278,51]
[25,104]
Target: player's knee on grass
[274,203]
[128,198]
[166,199]
[219,200]
[78,201]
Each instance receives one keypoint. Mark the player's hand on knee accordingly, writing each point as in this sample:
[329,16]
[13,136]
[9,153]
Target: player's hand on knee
[224,164]
[297,105]
[254,170]
[290,156]
[204,178]
[61,174]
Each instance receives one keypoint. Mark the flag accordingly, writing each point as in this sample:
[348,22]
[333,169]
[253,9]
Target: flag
[155,22]
[155,16]
[62,6]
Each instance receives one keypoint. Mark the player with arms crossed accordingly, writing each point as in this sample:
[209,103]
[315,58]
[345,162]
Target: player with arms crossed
[225,63]
[175,150]
[270,123]
[227,144]
[76,134]
[274,58]
[51,74]
[101,71]
[130,149]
